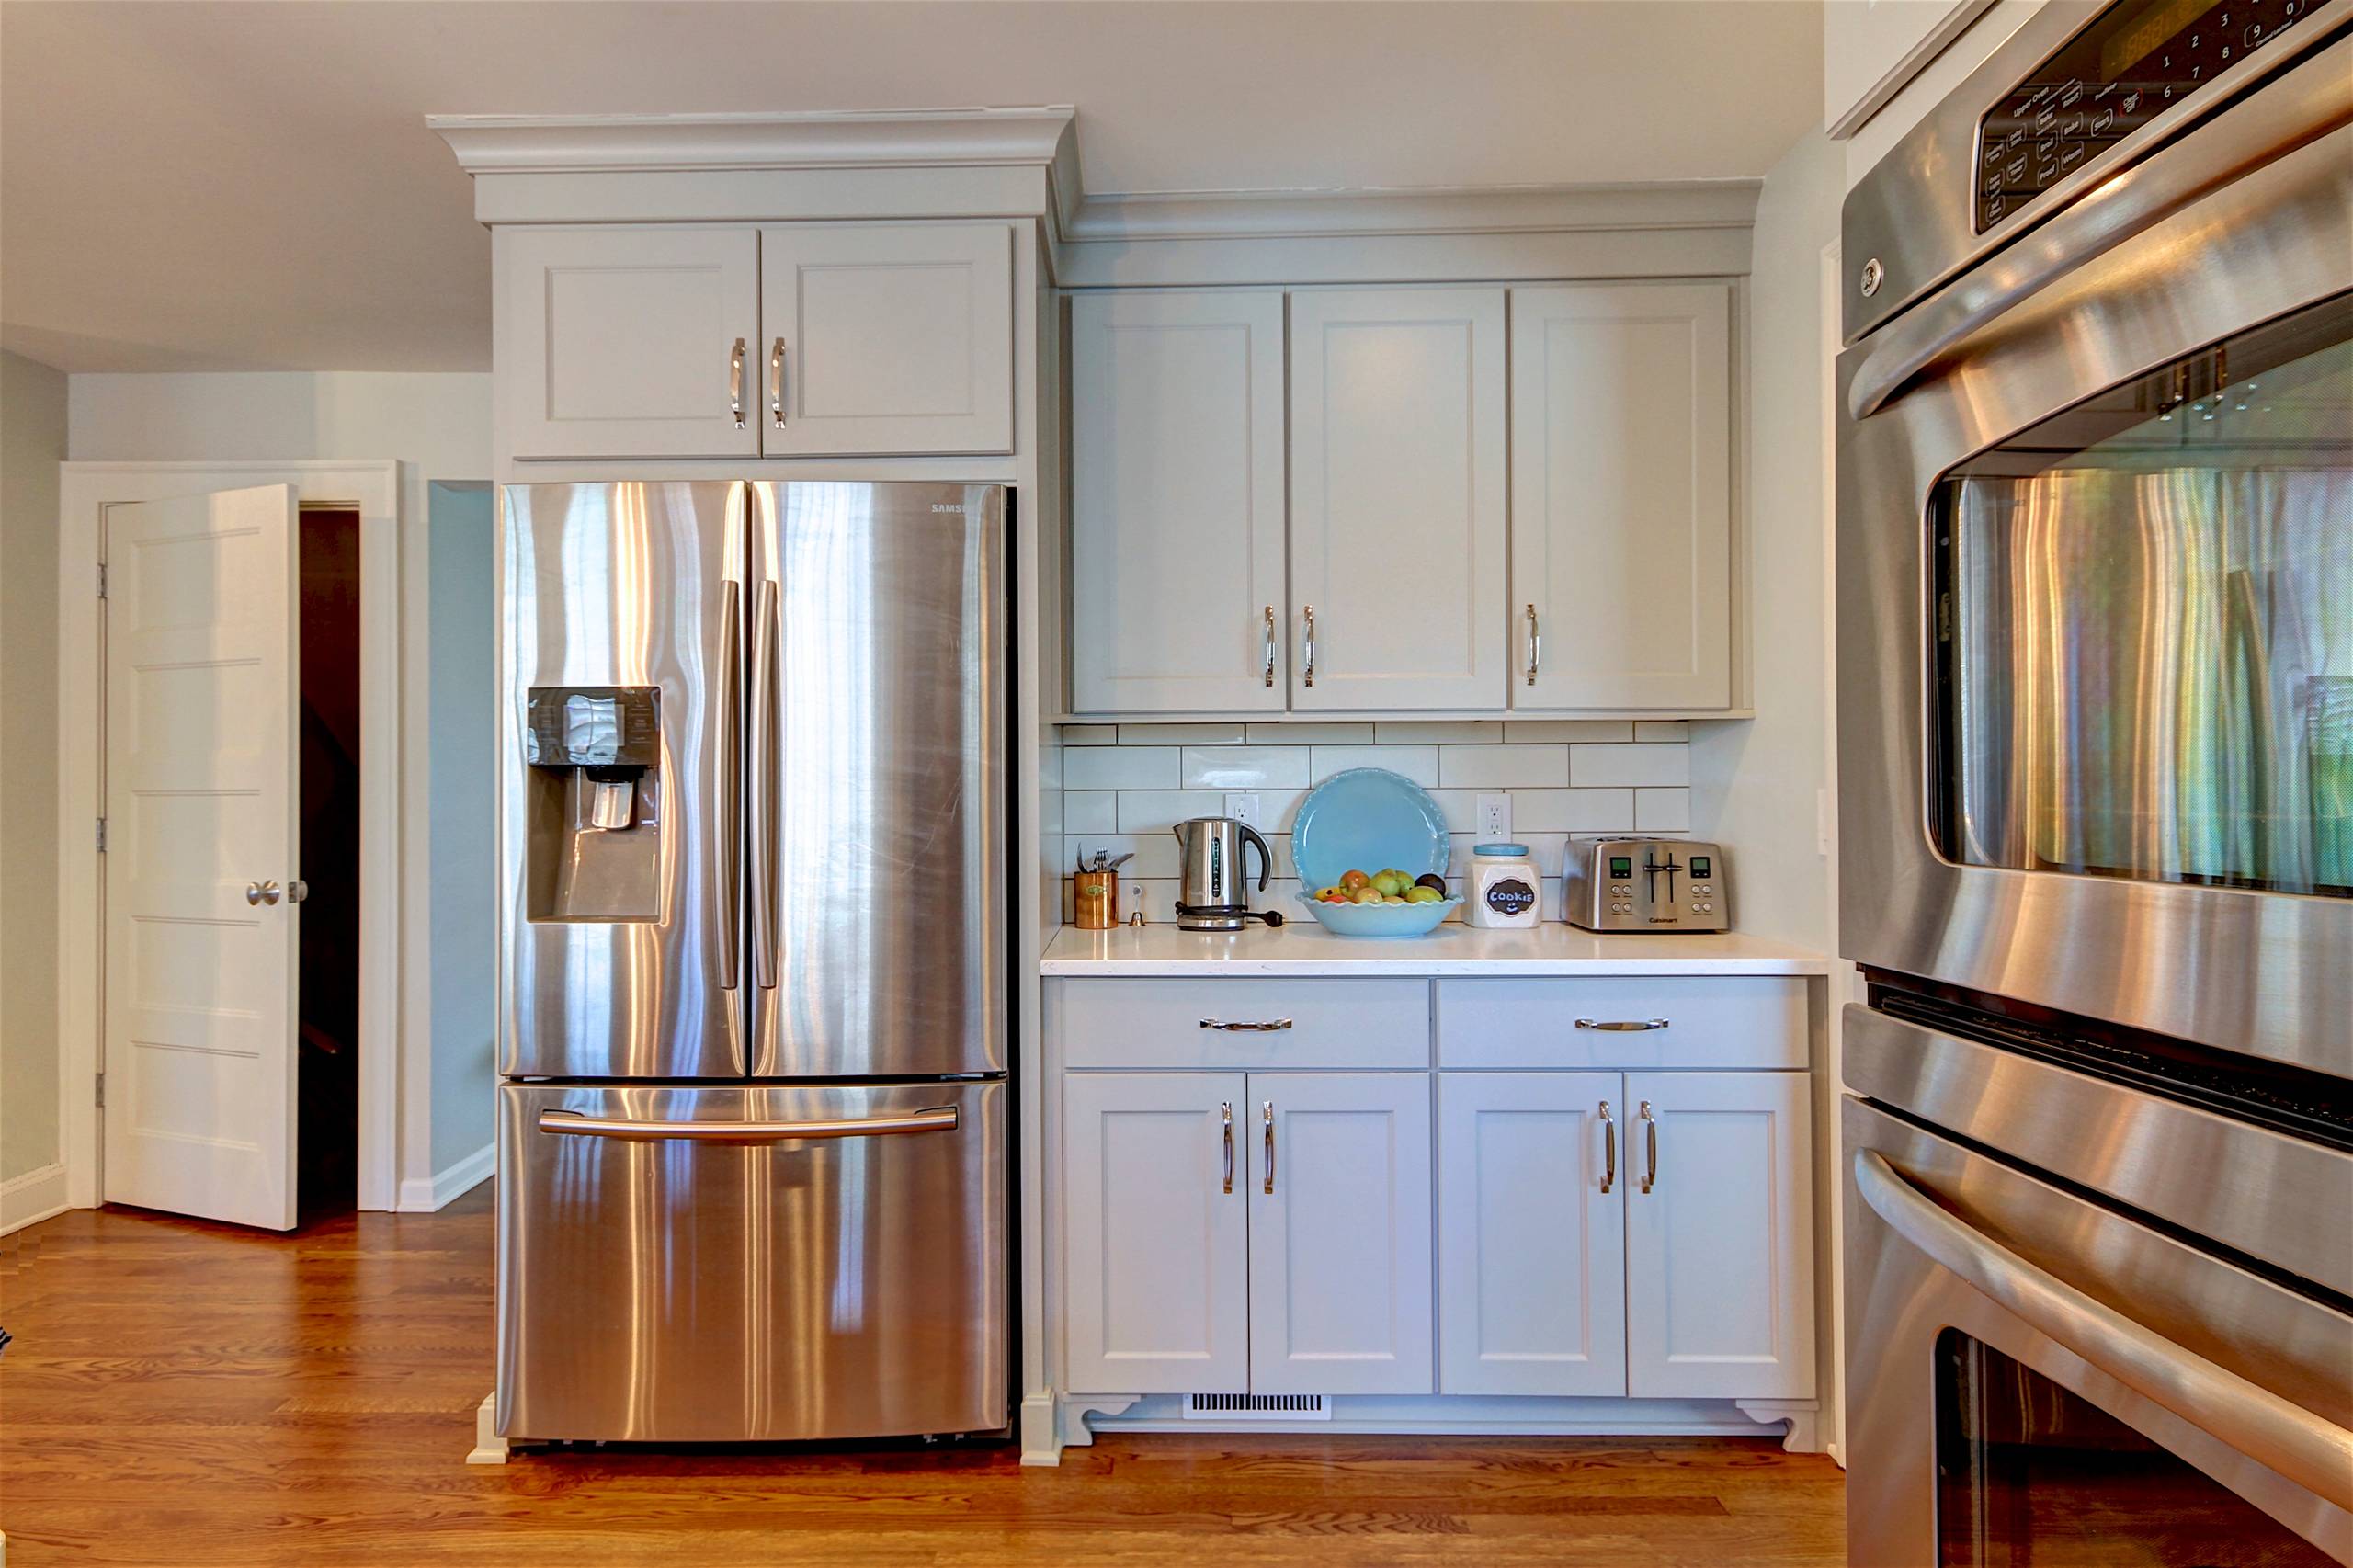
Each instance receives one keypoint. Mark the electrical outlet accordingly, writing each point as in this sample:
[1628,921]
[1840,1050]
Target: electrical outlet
[1495,818]
[1243,809]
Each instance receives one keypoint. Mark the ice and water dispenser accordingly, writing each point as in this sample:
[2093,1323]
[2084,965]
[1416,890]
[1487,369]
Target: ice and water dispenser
[594,816]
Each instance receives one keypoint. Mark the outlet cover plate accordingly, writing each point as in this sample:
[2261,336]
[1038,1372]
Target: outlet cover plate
[1494,817]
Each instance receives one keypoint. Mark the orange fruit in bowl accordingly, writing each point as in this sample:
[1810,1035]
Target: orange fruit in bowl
[1352,879]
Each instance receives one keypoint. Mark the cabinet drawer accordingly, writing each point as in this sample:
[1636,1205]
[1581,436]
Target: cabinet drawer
[1173,1023]
[1702,1021]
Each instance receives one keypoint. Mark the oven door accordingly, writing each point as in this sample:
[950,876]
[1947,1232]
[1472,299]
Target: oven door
[2034,1378]
[2095,598]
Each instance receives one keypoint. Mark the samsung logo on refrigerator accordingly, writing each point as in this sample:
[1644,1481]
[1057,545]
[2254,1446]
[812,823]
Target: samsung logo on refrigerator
[947,505]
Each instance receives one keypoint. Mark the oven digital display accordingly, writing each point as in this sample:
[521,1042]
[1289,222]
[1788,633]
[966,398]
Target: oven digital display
[2130,65]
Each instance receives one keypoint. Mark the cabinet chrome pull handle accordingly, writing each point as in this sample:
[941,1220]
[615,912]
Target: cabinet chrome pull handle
[1225,1117]
[1270,645]
[261,893]
[1311,645]
[1535,645]
[776,384]
[1609,1149]
[1622,1026]
[1650,1168]
[1265,1027]
[1269,1112]
[736,383]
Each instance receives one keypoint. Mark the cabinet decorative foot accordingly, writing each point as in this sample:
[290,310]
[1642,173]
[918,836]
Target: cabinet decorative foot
[1075,1432]
[1040,1444]
[489,1446]
[1804,1433]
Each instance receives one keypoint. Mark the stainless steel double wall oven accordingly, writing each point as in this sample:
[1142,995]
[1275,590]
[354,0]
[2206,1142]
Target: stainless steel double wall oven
[2095,762]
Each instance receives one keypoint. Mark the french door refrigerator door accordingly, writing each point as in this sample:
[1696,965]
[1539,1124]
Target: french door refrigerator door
[752,1264]
[620,770]
[879,874]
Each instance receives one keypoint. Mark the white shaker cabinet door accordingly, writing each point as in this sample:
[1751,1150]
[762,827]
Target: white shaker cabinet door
[1340,1232]
[1397,484]
[1621,496]
[886,338]
[1532,1233]
[1176,502]
[618,342]
[1718,1236]
[1155,1233]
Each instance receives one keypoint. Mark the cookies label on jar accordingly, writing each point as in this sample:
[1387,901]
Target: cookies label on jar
[1510,896]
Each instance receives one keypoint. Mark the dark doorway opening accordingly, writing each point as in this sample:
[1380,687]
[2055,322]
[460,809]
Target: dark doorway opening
[327,1016]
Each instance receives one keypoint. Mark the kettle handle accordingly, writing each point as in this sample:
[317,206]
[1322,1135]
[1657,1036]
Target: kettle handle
[1266,856]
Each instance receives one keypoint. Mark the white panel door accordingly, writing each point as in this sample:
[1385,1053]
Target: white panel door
[1340,1232]
[1621,496]
[618,342]
[1531,1296]
[1720,1248]
[1397,521]
[1176,502]
[1155,1233]
[886,338]
[203,802]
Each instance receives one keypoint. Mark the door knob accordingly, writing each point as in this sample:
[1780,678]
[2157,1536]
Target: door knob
[261,893]
[297,889]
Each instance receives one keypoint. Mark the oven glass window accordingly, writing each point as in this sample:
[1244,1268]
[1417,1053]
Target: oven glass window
[2144,627]
[2032,1475]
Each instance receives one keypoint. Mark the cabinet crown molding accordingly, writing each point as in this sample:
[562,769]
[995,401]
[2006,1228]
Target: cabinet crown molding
[1121,217]
[815,140]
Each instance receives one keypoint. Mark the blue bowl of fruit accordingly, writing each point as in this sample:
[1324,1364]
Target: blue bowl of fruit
[1387,903]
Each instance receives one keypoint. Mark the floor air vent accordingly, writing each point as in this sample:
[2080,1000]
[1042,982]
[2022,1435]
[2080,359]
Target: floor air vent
[1257,1407]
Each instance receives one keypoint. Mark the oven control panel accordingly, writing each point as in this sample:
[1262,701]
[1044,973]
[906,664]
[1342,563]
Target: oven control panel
[2132,63]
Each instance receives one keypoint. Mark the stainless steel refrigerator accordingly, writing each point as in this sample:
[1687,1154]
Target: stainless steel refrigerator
[753,823]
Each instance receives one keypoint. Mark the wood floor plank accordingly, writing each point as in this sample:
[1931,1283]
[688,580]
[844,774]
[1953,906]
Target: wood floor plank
[192,1393]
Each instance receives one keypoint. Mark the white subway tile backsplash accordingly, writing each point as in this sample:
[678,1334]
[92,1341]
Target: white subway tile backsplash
[1180,735]
[1121,768]
[1527,732]
[1245,767]
[1431,732]
[1310,735]
[1662,729]
[1571,810]
[1157,811]
[1154,854]
[1634,764]
[1417,762]
[1503,767]
[1663,811]
[1090,811]
[1090,734]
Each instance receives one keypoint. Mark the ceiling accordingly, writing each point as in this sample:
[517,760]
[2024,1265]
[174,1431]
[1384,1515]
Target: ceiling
[194,185]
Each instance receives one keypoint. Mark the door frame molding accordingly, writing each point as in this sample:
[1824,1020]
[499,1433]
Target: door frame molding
[84,491]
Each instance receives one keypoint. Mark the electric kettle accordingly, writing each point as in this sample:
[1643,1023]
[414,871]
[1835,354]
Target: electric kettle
[1213,892]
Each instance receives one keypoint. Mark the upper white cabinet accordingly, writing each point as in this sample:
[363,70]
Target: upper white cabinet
[1718,1236]
[1532,1233]
[886,338]
[1397,525]
[1176,502]
[1156,1223]
[1340,1233]
[1621,496]
[629,341]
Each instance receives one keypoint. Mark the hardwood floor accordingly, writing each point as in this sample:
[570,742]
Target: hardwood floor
[180,1393]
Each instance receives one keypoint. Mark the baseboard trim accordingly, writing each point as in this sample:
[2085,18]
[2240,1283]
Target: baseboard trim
[27,1199]
[424,1195]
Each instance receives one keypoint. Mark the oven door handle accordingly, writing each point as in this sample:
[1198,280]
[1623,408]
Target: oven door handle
[2303,105]
[2314,1453]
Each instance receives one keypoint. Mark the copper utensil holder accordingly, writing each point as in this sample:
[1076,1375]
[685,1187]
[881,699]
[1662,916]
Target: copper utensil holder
[1095,899]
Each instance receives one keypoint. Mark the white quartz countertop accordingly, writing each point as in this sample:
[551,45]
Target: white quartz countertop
[1301,947]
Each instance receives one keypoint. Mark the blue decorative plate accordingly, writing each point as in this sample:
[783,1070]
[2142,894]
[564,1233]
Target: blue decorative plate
[1368,819]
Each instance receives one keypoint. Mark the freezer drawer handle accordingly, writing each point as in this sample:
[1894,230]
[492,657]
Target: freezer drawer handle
[1268,1026]
[1624,1026]
[2314,1453]
[940,1119]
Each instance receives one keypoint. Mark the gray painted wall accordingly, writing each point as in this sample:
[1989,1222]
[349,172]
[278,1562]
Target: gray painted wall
[463,620]
[32,443]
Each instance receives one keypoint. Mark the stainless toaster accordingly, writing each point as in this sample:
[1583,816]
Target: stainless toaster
[1646,884]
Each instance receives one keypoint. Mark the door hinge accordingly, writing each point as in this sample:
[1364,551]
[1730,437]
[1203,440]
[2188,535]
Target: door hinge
[102,579]
[102,835]
[102,1091]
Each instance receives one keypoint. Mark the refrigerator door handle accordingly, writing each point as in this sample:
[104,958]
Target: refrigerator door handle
[940,1119]
[765,727]
[731,785]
